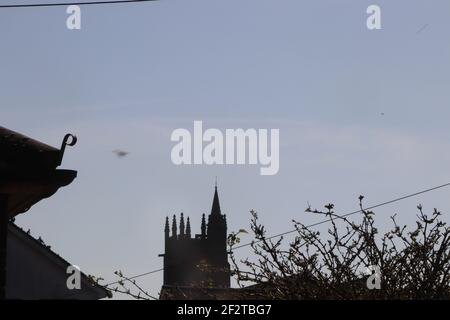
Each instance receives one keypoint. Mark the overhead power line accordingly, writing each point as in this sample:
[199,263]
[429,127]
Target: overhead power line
[136,276]
[355,212]
[60,4]
[316,224]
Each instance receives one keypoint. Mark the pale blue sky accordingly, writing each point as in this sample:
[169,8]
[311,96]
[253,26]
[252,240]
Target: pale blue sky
[312,69]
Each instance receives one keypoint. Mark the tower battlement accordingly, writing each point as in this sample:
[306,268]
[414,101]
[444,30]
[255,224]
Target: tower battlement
[199,261]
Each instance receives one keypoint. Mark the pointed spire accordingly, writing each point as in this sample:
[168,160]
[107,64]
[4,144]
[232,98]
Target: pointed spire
[166,227]
[215,210]
[182,226]
[188,228]
[174,227]
[203,228]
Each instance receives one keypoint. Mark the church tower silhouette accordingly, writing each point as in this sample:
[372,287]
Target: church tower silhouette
[199,261]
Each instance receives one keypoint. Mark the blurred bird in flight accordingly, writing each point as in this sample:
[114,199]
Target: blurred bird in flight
[121,153]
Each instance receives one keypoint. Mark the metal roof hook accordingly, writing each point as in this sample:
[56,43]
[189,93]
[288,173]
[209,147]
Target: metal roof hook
[69,140]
